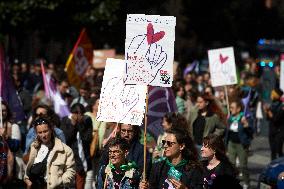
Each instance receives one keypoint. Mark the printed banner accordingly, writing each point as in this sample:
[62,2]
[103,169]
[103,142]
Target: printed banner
[118,102]
[149,49]
[222,66]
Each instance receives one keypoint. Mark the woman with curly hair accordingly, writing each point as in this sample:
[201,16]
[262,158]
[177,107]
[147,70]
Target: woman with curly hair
[180,167]
[206,118]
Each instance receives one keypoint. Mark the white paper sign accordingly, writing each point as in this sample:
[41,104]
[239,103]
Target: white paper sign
[222,66]
[282,72]
[118,102]
[149,49]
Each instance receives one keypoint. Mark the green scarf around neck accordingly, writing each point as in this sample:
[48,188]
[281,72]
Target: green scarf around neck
[124,167]
[180,164]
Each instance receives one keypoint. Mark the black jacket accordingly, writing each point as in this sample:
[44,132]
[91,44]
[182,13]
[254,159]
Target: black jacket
[191,177]
[85,130]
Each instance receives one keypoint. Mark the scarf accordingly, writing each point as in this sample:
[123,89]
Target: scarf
[124,167]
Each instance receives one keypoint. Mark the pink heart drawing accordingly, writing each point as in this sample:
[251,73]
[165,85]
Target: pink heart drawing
[153,37]
[223,59]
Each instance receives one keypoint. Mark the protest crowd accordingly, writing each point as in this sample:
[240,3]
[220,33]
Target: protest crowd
[203,141]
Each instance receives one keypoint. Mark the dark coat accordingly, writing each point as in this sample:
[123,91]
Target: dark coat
[191,177]
[245,134]
[85,130]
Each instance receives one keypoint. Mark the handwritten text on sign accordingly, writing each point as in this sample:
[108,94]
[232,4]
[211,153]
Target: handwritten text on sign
[118,102]
[149,50]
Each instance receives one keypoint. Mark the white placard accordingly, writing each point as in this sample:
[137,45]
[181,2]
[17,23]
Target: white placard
[222,66]
[149,49]
[118,102]
[282,72]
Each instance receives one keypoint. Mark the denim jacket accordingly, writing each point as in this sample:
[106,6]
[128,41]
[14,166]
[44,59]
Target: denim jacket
[130,179]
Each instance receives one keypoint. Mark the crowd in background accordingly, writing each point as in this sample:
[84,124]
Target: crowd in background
[206,138]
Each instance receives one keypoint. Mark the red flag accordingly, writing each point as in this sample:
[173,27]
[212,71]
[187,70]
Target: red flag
[79,59]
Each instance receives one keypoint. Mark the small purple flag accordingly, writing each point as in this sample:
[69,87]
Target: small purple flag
[8,91]
[161,101]
[245,102]
[190,67]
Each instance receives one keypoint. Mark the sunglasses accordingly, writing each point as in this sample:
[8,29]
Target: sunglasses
[169,143]
[39,121]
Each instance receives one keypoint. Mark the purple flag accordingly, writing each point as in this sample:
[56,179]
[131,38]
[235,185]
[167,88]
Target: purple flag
[190,68]
[245,102]
[8,91]
[161,101]
[60,106]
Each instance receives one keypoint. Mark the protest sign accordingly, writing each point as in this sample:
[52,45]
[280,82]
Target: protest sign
[222,66]
[100,56]
[118,102]
[149,49]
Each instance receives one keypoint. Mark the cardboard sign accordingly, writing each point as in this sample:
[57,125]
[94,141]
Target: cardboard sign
[118,102]
[149,49]
[222,66]
[100,57]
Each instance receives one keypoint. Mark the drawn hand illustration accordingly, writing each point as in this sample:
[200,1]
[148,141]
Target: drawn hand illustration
[145,56]
[120,101]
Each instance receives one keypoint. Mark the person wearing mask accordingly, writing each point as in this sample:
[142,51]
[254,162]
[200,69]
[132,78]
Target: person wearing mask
[180,167]
[119,173]
[238,137]
[206,118]
[51,162]
[78,129]
[275,116]
[214,159]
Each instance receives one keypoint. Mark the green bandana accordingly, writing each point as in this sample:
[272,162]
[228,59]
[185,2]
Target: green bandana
[236,118]
[124,167]
[180,164]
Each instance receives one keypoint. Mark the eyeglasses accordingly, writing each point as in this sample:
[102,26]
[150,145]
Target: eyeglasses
[169,143]
[126,131]
[114,152]
[39,121]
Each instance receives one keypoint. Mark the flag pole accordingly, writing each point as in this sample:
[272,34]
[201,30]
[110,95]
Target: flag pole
[145,134]
[227,100]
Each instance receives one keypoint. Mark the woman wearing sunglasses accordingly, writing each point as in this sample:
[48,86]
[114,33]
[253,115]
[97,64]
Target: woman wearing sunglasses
[170,120]
[51,162]
[180,168]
